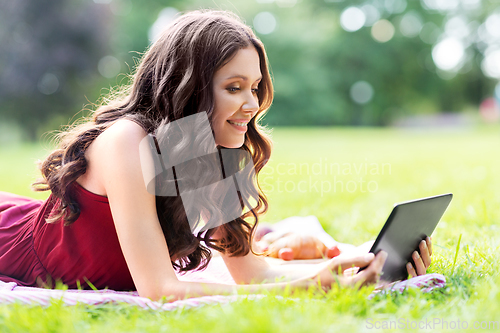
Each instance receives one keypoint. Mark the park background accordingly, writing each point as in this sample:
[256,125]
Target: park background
[334,62]
[376,102]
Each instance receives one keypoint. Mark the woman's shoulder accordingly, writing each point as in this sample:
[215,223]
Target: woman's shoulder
[122,137]
[123,131]
[113,152]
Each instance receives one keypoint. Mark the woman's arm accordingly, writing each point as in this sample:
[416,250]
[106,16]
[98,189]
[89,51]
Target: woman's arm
[255,269]
[296,276]
[115,163]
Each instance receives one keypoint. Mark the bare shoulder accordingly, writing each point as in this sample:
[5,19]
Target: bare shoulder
[120,140]
[114,153]
[122,133]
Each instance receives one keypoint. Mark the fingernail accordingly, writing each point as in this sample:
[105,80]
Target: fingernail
[416,255]
[424,244]
[408,265]
[369,256]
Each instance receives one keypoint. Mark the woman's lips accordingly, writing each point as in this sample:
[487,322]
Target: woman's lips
[239,125]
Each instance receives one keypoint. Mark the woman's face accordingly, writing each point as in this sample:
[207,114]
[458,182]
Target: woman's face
[235,93]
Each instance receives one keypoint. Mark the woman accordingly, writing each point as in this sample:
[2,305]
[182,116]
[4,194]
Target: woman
[102,227]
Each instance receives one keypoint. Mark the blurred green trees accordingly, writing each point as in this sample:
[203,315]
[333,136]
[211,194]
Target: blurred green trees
[57,56]
[49,51]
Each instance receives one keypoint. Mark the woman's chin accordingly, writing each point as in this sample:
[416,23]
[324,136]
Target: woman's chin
[231,145]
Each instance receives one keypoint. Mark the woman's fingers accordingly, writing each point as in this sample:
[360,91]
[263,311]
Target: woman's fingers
[350,272]
[421,261]
[351,277]
[424,254]
[419,264]
[411,270]
[372,273]
[340,263]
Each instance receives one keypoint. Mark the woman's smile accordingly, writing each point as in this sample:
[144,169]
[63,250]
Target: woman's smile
[239,125]
[236,101]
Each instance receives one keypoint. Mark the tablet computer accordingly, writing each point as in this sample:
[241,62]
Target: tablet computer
[409,223]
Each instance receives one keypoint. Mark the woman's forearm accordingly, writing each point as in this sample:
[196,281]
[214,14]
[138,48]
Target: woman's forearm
[292,272]
[184,289]
[276,277]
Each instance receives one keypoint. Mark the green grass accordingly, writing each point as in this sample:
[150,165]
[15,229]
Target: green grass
[400,166]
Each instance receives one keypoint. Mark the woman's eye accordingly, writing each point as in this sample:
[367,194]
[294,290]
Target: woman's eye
[233,89]
[255,91]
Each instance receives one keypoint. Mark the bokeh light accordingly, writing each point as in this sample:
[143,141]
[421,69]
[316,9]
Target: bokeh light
[361,92]
[383,31]
[109,66]
[264,23]
[457,26]
[448,54]
[441,5]
[471,4]
[372,14]
[489,110]
[491,62]
[48,84]
[410,24]
[430,33]
[352,19]
[165,16]
[395,6]
[492,25]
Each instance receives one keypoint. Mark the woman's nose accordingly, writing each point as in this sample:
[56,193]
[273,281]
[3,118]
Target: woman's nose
[251,104]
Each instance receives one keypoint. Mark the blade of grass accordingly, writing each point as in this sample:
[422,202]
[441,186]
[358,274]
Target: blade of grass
[456,254]
[90,284]
[482,255]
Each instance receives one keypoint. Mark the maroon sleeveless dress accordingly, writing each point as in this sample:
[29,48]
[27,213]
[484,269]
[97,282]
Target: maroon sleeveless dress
[36,253]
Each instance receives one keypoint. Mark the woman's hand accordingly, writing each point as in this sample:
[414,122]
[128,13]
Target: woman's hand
[423,260]
[291,245]
[334,271]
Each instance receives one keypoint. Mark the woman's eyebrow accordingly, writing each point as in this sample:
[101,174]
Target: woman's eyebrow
[242,77]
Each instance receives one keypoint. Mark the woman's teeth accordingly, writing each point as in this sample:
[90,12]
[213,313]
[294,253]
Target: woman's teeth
[237,124]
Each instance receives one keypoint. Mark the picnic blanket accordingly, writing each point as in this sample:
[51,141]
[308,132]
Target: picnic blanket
[216,272]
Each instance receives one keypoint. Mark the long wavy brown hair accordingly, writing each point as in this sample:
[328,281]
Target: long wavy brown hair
[173,80]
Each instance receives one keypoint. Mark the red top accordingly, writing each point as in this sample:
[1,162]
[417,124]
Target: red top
[88,249]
